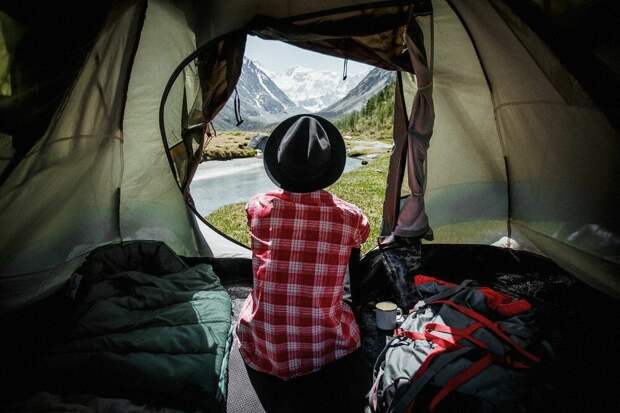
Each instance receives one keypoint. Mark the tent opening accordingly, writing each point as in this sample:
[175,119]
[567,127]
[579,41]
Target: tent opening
[277,81]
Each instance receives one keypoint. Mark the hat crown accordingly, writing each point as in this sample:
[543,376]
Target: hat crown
[305,150]
[304,153]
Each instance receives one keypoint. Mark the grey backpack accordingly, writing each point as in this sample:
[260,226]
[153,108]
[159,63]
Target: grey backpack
[460,342]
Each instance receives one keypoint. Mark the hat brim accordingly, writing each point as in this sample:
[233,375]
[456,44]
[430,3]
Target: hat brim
[289,183]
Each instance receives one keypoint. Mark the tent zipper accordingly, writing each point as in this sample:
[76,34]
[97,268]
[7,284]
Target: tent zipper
[237,105]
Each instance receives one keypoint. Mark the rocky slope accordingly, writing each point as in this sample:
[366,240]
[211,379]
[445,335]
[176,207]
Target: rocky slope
[262,101]
[374,82]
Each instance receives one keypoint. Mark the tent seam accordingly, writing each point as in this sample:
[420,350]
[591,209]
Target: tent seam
[544,102]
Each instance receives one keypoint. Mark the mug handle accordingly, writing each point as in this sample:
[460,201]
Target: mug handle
[399,314]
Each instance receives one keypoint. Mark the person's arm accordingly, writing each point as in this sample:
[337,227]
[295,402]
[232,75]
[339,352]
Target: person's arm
[363,231]
[352,280]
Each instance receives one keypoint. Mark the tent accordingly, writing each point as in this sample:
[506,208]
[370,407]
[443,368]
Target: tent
[519,146]
[506,123]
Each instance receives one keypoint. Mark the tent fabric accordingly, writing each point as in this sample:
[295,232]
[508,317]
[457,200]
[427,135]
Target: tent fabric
[209,76]
[185,140]
[519,148]
[561,156]
[7,152]
[412,220]
[400,124]
[466,189]
[219,65]
[155,208]
[375,38]
[215,19]
[10,34]
[72,171]
[44,58]
[101,160]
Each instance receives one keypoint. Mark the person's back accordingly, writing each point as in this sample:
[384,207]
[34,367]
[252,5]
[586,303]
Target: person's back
[295,321]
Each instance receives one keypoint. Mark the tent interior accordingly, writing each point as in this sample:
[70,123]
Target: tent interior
[116,294]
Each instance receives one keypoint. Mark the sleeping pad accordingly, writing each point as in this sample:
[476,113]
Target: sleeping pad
[146,327]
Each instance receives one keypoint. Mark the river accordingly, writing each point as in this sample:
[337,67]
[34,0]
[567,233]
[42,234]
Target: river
[219,183]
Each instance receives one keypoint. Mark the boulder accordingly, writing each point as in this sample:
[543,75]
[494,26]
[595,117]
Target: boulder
[258,142]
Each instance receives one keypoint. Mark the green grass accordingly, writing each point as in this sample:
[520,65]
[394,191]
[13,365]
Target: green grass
[224,154]
[232,221]
[229,145]
[364,187]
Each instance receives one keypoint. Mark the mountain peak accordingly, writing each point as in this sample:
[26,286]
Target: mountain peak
[262,102]
[268,97]
[314,89]
[259,65]
[297,69]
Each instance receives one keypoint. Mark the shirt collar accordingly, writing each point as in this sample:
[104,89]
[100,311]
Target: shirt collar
[312,198]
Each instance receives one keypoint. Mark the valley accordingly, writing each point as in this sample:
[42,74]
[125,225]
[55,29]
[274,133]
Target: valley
[267,98]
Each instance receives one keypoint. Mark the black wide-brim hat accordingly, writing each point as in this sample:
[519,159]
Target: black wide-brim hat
[304,153]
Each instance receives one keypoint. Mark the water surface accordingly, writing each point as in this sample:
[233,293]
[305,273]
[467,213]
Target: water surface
[219,183]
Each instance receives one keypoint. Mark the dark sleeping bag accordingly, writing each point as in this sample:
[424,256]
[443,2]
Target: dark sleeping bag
[147,327]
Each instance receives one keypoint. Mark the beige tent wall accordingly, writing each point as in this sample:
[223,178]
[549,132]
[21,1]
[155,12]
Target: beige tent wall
[562,152]
[152,206]
[61,200]
[466,195]
[220,17]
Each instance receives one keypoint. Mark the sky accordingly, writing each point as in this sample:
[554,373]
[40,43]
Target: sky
[278,56]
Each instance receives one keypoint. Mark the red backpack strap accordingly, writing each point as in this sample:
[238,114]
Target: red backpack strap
[461,378]
[491,326]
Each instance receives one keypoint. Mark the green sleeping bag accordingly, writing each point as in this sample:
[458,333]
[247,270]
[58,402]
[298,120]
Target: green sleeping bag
[147,327]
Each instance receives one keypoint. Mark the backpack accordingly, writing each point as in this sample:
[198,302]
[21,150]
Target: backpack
[463,343]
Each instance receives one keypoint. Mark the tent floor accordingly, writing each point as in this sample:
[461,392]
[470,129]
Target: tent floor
[580,323]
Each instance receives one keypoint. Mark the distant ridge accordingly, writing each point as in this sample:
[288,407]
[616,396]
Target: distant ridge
[262,101]
[374,82]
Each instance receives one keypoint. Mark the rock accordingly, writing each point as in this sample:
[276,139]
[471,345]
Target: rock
[258,142]
[364,162]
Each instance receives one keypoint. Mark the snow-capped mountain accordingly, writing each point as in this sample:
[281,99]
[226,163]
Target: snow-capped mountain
[357,97]
[262,102]
[267,97]
[314,90]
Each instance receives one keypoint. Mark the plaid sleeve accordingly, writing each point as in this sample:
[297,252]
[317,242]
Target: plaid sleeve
[248,213]
[363,230]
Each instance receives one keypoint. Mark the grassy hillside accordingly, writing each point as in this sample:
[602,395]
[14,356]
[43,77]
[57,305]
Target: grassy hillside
[374,119]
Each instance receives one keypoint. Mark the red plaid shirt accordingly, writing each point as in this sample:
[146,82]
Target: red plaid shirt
[294,321]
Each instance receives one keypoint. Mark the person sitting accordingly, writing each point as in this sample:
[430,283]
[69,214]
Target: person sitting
[295,321]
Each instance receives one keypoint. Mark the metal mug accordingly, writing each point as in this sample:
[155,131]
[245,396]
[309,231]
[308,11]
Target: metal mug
[386,313]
